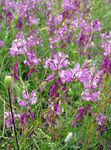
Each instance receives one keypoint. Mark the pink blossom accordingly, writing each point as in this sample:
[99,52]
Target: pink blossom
[18,45]
[28,99]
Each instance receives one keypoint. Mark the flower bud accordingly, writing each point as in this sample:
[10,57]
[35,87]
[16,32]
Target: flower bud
[69,137]
[8,81]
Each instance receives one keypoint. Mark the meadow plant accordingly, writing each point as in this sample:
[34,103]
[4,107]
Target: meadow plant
[59,59]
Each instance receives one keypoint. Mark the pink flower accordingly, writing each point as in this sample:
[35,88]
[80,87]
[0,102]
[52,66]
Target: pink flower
[8,120]
[18,45]
[57,62]
[2,43]
[91,95]
[101,119]
[29,99]
[32,59]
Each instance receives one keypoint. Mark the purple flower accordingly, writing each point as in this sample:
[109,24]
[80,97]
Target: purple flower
[32,39]
[32,59]
[106,35]
[76,73]
[26,116]
[101,119]
[96,25]
[9,16]
[2,43]
[90,95]
[106,66]
[58,61]
[66,75]
[15,69]
[18,45]
[8,120]
[59,19]
[31,114]
[50,77]
[32,70]
[82,112]
[20,24]
[57,108]
[107,47]
[29,99]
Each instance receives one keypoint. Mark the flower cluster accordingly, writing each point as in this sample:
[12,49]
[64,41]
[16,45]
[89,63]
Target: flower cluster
[29,99]
[56,63]
[101,121]
[18,45]
[8,119]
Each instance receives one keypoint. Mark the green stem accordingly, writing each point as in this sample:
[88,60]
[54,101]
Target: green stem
[10,102]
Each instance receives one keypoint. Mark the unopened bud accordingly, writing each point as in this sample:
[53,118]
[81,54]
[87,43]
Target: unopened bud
[8,81]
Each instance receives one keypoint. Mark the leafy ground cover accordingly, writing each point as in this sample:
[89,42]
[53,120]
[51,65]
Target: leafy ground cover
[55,69]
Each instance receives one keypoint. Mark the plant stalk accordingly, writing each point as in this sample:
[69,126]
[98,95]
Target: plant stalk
[12,115]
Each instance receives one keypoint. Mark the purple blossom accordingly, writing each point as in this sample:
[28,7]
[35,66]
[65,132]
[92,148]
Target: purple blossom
[77,73]
[57,62]
[82,112]
[26,116]
[90,95]
[18,45]
[106,35]
[28,99]
[2,43]
[91,84]
[8,120]
[20,24]
[59,19]
[33,40]
[50,77]
[101,119]
[15,69]
[107,47]
[106,66]
[32,70]
[96,25]
[9,16]
[32,59]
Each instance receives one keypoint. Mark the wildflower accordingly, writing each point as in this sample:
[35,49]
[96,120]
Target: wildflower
[8,120]
[96,25]
[29,99]
[18,45]
[26,116]
[82,112]
[15,69]
[57,62]
[106,66]
[2,43]
[101,121]
[90,95]
[32,61]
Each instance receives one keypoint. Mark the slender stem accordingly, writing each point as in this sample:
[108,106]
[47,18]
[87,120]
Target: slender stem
[10,102]
[3,120]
